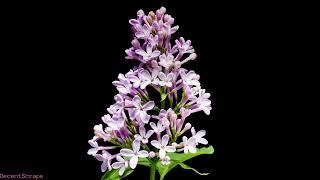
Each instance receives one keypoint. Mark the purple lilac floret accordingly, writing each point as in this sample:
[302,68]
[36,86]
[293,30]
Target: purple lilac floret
[137,126]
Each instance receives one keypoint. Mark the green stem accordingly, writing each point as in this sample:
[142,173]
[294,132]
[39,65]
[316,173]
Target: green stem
[153,171]
[163,103]
[163,100]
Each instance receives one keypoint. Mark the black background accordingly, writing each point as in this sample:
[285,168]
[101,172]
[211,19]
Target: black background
[60,60]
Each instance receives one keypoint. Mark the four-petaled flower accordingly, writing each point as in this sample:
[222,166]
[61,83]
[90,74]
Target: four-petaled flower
[100,133]
[157,128]
[143,136]
[106,160]
[134,153]
[203,101]
[148,54]
[166,60]
[113,124]
[165,161]
[191,78]
[140,110]
[184,46]
[165,80]
[143,31]
[163,146]
[121,165]
[95,147]
[189,144]
[144,78]
[198,136]
[123,85]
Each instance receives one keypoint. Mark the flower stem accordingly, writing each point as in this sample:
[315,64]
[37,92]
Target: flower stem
[153,171]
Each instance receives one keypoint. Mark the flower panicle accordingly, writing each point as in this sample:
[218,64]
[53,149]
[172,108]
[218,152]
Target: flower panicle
[138,125]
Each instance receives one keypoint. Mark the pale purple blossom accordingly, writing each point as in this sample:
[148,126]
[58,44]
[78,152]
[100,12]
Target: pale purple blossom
[123,85]
[134,154]
[143,32]
[165,80]
[139,110]
[163,146]
[189,144]
[144,78]
[121,165]
[203,102]
[157,128]
[198,136]
[190,78]
[106,160]
[95,147]
[166,160]
[112,123]
[166,60]
[184,46]
[149,53]
[100,133]
[143,136]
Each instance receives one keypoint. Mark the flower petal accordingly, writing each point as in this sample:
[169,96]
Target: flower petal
[153,126]
[156,144]
[99,157]
[117,165]
[121,171]
[133,162]
[155,53]
[126,152]
[104,166]
[141,52]
[144,84]
[136,101]
[143,154]
[106,118]
[92,151]
[162,153]
[202,141]
[201,133]
[149,48]
[185,140]
[148,106]
[161,76]
[142,131]
[193,131]
[170,149]
[136,145]
[149,133]
[165,140]
[145,75]
[120,159]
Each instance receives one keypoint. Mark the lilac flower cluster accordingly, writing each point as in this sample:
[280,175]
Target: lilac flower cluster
[137,126]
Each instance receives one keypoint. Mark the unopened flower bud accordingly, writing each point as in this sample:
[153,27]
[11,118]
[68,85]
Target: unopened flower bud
[140,13]
[187,126]
[135,43]
[152,154]
[152,15]
[193,56]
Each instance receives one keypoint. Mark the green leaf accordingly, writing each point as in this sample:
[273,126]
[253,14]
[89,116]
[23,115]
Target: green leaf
[114,174]
[144,162]
[127,172]
[177,158]
[184,166]
[111,175]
